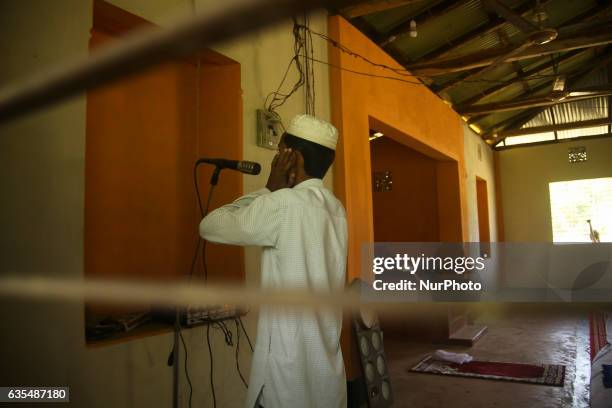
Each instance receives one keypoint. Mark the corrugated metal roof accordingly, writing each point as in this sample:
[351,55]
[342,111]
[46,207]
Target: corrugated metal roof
[442,30]
[385,21]
[489,40]
[572,112]
[543,119]
[587,109]
[465,28]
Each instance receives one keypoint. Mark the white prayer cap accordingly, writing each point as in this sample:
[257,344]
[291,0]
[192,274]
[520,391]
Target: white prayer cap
[315,130]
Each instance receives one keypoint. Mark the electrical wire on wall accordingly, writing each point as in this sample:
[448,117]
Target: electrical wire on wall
[309,80]
[400,71]
[303,55]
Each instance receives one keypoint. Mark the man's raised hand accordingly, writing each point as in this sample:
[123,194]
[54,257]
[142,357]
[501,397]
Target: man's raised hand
[282,171]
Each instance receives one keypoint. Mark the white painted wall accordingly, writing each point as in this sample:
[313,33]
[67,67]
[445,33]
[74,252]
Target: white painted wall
[525,174]
[479,163]
[41,211]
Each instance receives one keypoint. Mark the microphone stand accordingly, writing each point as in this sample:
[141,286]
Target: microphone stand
[174,355]
[214,179]
[175,359]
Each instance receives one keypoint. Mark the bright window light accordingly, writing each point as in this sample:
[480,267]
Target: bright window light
[574,203]
[376,135]
[590,131]
[536,137]
[476,128]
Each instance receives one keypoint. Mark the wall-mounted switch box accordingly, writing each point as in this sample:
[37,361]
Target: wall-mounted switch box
[269,129]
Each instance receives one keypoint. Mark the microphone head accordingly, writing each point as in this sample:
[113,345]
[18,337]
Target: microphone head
[249,167]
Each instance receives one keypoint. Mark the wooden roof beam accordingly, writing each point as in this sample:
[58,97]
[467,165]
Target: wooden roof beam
[373,6]
[535,71]
[543,100]
[598,62]
[422,18]
[487,57]
[510,16]
[554,128]
[519,120]
[513,122]
[492,25]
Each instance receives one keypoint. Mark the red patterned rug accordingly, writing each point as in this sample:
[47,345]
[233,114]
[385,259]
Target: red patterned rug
[598,334]
[544,374]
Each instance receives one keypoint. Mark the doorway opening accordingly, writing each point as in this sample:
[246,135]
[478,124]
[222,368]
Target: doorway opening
[482,205]
[415,198]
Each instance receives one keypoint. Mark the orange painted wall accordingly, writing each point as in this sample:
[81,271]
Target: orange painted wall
[409,113]
[140,147]
[220,135]
[409,212]
[144,134]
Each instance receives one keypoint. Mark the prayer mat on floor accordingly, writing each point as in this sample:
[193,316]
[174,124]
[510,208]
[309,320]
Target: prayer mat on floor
[544,374]
[598,334]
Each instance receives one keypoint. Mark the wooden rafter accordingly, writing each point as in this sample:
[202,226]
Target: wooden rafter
[487,57]
[510,15]
[595,19]
[513,122]
[373,6]
[518,120]
[588,19]
[609,99]
[554,121]
[540,69]
[535,92]
[490,26]
[544,100]
[554,128]
[490,68]
[596,63]
[422,18]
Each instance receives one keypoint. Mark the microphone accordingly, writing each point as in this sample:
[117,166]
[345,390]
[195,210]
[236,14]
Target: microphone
[246,167]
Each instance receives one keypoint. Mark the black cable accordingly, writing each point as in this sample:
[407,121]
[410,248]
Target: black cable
[312,75]
[278,98]
[204,214]
[308,68]
[212,383]
[186,370]
[237,354]
[365,73]
[197,188]
[245,333]
[191,271]
[227,333]
[403,71]
[200,241]
[599,107]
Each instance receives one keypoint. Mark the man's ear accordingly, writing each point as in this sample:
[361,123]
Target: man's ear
[298,164]
[299,161]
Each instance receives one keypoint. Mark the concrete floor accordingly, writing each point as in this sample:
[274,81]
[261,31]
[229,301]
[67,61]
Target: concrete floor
[519,337]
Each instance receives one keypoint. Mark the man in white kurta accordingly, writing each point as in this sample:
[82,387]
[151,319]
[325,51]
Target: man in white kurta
[302,228]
